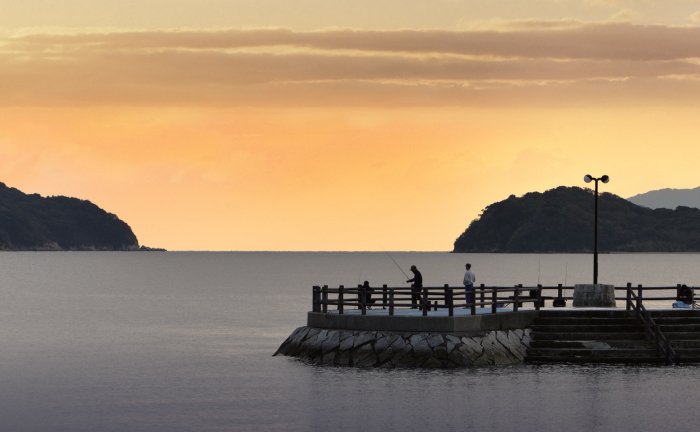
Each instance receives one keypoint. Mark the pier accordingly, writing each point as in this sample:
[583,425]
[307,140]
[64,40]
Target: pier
[437,327]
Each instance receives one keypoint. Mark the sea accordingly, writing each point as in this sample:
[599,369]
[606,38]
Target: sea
[184,341]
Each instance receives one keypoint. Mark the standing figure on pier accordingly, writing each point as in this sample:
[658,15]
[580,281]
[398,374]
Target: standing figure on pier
[469,279]
[416,287]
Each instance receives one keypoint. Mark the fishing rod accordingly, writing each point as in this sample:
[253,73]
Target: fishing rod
[397,265]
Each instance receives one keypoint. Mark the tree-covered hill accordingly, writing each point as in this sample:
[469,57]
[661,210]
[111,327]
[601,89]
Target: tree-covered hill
[561,220]
[32,222]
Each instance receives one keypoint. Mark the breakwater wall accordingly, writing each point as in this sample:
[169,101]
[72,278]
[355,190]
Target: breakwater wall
[411,341]
[409,350]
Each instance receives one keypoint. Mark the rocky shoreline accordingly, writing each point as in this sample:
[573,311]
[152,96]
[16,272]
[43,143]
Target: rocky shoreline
[406,350]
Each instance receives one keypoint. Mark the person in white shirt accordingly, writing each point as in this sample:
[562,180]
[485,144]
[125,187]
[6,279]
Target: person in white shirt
[469,280]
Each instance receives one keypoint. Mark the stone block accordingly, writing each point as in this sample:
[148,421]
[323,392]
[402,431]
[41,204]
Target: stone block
[474,344]
[434,340]
[398,344]
[369,361]
[440,352]
[589,295]
[391,338]
[432,363]
[328,358]
[359,354]
[343,359]
[347,343]
[363,337]
[420,346]
[346,334]
[452,338]
[332,341]
[311,333]
[381,345]
[386,355]
[451,345]
[405,360]
[459,358]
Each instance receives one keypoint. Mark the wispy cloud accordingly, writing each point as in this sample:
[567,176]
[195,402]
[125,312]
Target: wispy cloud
[324,67]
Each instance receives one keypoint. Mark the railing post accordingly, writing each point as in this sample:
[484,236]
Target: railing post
[391,301]
[668,352]
[560,291]
[472,307]
[639,298]
[482,296]
[494,299]
[324,299]
[363,298]
[516,297]
[384,296]
[340,299]
[539,297]
[426,302]
[629,296]
[647,326]
[449,299]
[315,298]
[520,289]
[658,341]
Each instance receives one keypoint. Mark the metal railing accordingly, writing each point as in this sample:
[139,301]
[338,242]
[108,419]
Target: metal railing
[663,345]
[423,298]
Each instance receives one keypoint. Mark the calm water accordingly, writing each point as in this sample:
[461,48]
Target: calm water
[183,342]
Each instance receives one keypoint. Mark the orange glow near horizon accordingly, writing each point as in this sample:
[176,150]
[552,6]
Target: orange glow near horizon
[331,179]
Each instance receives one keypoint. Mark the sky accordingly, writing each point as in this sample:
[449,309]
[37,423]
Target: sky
[341,125]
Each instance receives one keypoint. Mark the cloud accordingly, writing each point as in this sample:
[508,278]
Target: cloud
[531,39]
[695,17]
[280,66]
[624,15]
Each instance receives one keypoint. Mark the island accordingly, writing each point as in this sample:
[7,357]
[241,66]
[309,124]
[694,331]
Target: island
[30,222]
[561,220]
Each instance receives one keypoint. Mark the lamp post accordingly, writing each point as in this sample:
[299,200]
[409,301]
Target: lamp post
[588,178]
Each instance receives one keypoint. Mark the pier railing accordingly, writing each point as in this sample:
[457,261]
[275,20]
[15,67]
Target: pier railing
[633,301]
[451,298]
[423,298]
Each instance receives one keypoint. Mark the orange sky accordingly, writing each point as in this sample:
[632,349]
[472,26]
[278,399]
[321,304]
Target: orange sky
[330,130]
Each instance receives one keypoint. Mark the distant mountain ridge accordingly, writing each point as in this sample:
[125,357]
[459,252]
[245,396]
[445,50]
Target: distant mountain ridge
[668,198]
[561,220]
[32,222]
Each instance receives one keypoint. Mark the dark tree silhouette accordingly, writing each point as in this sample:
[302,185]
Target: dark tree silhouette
[561,220]
[31,222]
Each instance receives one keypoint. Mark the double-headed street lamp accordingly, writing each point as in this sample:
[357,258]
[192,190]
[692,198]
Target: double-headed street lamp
[588,178]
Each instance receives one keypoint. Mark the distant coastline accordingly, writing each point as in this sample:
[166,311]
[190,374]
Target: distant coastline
[30,222]
[561,220]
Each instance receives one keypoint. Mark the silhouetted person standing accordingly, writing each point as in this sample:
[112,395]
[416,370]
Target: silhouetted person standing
[469,279]
[369,301]
[416,287]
